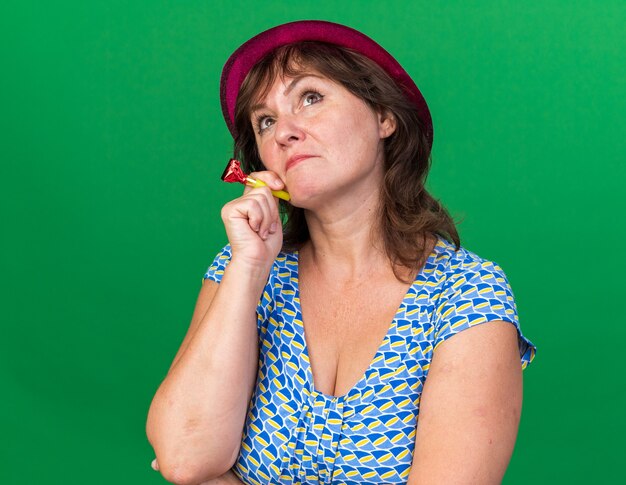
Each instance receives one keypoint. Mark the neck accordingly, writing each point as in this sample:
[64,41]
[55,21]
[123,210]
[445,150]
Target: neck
[345,239]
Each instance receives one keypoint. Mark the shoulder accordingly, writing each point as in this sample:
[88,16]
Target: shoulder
[461,273]
[454,264]
[286,264]
[469,290]
[465,279]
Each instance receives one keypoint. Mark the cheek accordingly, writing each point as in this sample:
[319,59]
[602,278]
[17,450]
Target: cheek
[340,133]
[266,156]
[358,133]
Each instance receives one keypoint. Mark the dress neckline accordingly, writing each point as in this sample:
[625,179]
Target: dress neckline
[410,295]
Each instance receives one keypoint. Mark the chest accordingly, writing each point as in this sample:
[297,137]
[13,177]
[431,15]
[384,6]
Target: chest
[297,430]
[345,328]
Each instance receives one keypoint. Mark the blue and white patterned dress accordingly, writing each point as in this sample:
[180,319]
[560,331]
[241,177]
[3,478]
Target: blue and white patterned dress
[297,435]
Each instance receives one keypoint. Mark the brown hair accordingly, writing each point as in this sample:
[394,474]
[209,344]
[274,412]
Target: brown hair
[408,212]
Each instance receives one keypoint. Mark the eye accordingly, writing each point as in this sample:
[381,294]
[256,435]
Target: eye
[263,123]
[311,97]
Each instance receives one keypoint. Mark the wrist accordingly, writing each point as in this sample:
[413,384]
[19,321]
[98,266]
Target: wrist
[248,271]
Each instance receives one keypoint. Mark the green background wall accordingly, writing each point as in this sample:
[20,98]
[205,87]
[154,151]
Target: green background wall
[112,144]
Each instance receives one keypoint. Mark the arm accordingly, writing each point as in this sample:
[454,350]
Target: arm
[197,415]
[229,478]
[470,408]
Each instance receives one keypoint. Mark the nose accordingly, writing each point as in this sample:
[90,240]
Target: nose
[288,131]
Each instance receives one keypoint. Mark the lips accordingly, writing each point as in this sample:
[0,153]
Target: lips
[295,159]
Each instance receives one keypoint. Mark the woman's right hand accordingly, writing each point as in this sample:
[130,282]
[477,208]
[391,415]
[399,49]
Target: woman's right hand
[253,224]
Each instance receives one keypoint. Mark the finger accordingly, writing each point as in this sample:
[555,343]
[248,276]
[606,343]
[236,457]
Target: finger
[258,208]
[251,208]
[273,220]
[274,215]
[246,208]
[272,179]
[264,198]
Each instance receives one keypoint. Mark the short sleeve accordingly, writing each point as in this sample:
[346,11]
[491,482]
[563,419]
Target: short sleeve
[216,270]
[480,292]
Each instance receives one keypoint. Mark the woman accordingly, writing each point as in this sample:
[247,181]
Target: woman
[325,340]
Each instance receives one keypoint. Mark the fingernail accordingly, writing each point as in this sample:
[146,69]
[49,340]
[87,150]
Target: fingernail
[273,228]
[153,464]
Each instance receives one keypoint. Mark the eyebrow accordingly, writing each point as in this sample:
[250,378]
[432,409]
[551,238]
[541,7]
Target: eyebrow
[292,85]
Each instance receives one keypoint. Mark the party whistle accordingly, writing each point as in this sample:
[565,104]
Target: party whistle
[234,173]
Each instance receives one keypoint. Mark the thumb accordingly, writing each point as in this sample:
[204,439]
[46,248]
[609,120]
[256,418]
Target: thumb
[276,183]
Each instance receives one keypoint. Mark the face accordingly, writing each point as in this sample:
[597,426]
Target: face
[320,139]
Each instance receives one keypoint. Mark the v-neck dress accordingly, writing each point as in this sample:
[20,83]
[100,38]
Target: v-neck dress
[296,435]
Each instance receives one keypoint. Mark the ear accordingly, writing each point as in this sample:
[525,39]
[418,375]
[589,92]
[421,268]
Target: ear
[386,123]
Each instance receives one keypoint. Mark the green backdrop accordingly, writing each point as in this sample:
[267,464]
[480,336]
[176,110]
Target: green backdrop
[112,144]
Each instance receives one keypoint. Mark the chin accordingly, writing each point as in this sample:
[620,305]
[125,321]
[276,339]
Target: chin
[305,195]
[302,202]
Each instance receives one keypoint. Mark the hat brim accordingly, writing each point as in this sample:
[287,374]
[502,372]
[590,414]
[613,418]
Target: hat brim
[248,54]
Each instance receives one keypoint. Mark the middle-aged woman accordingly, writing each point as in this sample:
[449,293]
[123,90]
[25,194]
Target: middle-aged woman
[321,331]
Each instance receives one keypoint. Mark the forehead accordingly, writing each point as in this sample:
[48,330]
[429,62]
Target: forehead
[285,84]
[282,75]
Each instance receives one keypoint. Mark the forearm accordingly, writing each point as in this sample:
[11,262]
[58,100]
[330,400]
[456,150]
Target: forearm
[197,415]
